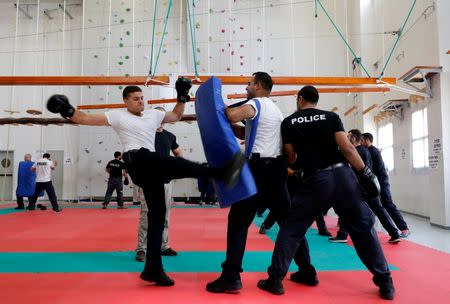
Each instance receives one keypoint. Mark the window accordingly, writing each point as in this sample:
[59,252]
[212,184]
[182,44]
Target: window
[420,138]
[386,145]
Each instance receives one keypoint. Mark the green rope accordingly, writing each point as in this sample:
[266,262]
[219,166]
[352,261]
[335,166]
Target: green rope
[166,20]
[399,35]
[315,8]
[153,37]
[194,51]
[343,39]
[195,39]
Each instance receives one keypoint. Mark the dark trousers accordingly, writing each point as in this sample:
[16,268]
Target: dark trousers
[48,187]
[270,220]
[388,204]
[320,222]
[380,213]
[150,171]
[114,183]
[314,196]
[270,176]
[20,203]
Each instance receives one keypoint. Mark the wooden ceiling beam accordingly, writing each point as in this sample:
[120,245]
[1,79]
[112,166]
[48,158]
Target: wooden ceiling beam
[345,90]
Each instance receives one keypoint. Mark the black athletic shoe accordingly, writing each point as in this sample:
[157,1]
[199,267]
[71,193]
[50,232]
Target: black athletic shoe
[232,170]
[272,285]
[387,290]
[160,279]
[169,252]
[263,229]
[30,208]
[301,278]
[223,285]
[57,210]
[337,240]
[405,233]
[104,206]
[136,203]
[19,208]
[325,233]
[394,239]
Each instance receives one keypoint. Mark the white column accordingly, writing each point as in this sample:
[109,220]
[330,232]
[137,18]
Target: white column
[440,209]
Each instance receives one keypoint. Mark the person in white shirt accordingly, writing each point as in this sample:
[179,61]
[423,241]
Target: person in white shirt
[262,134]
[43,169]
[136,129]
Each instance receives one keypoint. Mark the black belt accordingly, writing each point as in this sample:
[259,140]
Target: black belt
[308,172]
[332,167]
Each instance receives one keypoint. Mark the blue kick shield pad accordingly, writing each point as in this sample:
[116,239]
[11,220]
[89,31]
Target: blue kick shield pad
[26,180]
[219,142]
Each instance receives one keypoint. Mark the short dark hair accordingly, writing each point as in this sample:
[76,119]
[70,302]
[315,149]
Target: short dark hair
[368,136]
[46,155]
[309,94]
[356,134]
[117,154]
[264,80]
[130,89]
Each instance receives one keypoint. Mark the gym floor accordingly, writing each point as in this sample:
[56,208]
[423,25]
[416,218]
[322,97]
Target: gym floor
[86,255]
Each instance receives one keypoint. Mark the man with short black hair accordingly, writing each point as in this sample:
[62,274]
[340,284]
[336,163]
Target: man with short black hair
[269,168]
[116,169]
[43,168]
[136,129]
[385,196]
[316,140]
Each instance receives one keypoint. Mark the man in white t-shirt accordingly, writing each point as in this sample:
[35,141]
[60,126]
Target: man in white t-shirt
[43,169]
[262,134]
[136,129]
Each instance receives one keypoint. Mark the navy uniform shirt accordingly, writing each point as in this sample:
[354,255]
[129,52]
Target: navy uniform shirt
[365,155]
[165,142]
[312,133]
[115,168]
[378,167]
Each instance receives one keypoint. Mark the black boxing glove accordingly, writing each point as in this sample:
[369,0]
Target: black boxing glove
[126,181]
[369,183]
[59,104]
[183,85]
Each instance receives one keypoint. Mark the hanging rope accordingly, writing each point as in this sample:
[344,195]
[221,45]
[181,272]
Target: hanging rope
[399,35]
[155,2]
[166,21]
[315,8]
[193,41]
[356,59]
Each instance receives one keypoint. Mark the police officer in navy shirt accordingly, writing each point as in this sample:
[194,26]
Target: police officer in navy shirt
[385,195]
[355,137]
[319,143]
[116,169]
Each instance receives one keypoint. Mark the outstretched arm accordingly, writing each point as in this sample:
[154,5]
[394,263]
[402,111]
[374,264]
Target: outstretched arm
[82,118]
[60,104]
